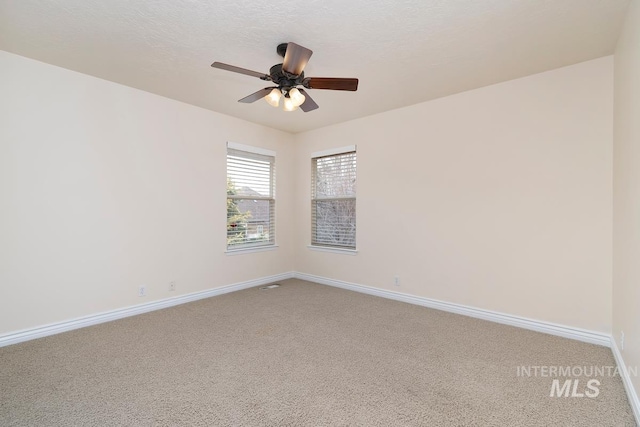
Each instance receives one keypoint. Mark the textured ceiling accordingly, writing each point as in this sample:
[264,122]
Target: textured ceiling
[403,51]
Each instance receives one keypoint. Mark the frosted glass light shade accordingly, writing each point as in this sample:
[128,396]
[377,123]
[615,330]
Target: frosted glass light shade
[273,98]
[289,105]
[296,96]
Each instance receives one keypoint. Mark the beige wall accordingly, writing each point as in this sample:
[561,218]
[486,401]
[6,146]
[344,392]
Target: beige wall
[626,191]
[497,198]
[104,188]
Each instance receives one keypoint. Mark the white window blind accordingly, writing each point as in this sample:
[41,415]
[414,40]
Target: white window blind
[333,200]
[250,199]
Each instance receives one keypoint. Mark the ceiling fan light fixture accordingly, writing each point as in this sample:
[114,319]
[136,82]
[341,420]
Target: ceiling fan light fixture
[297,97]
[273,98]
[286,76]
[289,105]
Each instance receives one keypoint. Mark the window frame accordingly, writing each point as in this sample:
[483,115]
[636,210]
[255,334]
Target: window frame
[322,246]
[234,148]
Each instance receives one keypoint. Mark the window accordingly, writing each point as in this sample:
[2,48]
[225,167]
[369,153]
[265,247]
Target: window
[333,198]
[250,197]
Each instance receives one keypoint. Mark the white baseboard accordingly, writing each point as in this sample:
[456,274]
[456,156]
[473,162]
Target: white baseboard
[626,380]
[591,337]
[107,316]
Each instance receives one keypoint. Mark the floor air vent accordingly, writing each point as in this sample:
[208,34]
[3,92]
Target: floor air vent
[264,288]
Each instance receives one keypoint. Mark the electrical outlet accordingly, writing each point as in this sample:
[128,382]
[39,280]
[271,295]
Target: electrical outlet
[142,291]
[396,280]
[621,341]
[172,286]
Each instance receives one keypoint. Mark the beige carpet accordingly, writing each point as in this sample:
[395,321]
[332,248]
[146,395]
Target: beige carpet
[300,355]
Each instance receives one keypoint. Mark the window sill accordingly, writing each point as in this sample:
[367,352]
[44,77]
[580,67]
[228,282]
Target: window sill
[333,250]
[251,250]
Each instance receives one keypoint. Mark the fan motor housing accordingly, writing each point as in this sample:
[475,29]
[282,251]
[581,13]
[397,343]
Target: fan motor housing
[284,79]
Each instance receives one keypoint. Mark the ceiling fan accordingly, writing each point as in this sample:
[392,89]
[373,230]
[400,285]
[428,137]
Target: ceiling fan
[287,76]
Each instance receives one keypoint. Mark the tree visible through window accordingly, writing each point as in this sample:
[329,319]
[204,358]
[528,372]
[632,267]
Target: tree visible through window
[333,204]
[250,198]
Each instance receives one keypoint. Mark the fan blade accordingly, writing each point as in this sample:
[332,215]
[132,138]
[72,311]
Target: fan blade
[331,83]
[296,59]
[256,95]
[235,69]
[308,104]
